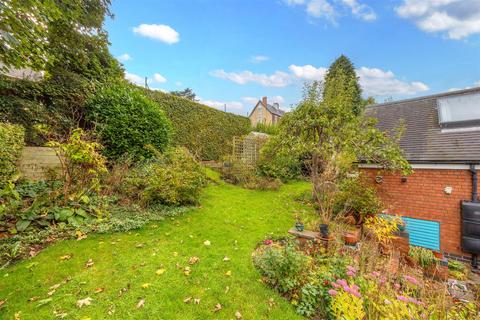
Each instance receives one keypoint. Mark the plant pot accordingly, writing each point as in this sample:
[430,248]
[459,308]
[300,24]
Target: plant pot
[438,255]
[299,226]
[350,238]
[401,227]
[324,230]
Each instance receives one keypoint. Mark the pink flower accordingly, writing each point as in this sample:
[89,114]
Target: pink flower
[355,287]
[335,285]
[397,286]
[350,268]
[375,274]
[342,282]
[402,298]
[332,292]
[411,280]
[350,273]
[268,242]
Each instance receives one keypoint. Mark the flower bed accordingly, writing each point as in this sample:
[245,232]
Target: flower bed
[357,283]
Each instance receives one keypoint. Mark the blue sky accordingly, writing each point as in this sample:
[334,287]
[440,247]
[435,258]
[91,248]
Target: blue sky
[236,51]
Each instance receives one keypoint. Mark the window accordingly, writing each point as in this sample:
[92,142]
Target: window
[459,111]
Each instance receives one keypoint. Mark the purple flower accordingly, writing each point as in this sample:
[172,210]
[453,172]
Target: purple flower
[332,292]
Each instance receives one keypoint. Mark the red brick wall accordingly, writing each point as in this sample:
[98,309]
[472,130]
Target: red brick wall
[422,196]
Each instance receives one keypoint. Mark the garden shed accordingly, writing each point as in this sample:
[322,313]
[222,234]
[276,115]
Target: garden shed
[442,143]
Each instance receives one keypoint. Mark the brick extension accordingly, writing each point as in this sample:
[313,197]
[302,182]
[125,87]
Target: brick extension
[422,196]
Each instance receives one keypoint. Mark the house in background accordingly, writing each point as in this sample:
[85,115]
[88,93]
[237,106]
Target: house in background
[439,201]
[265,113]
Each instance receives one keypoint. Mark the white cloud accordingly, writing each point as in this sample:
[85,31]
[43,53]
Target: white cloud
[376,82]
[360,10]
[273,99]
[476,83]
[159,32]
[308,72]
[134,78]
[258,59]
[457,19]
[124,57]
[321,9]
[159,78]
[250,100]
[220,105]
[331,9]
[277,79]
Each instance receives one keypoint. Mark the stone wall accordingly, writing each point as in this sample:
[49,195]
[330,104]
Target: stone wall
[35,161]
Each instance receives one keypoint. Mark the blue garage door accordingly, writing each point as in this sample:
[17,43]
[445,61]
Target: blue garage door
[423,233]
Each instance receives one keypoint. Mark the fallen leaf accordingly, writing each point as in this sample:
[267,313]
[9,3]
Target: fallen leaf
[226,258]
[43,302]
[99,290]
[238,315]
[140,245]
[187,300]
[66,257]
[228,273]
[31,265]
[84,302]
[17,315]
[207,243]
[196,300]
[89,263]
[218,307]
[193,260]
[32,253]
[175,254]
[160,271]
[80,235]
[271,302]
[59,314]
[186,271]
[34,298]
[2,302]
[227,288]
[50,293]
[145,285]
[140,303]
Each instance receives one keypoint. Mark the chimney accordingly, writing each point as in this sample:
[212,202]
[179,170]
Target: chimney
[264,101]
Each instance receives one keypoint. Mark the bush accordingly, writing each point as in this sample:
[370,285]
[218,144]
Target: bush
[205,132]
[127,121]
[174,178]
[357,198]
[282,267]
[266,128]
[11,145]
[240,173]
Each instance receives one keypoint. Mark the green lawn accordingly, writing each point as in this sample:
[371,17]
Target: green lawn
[234,220]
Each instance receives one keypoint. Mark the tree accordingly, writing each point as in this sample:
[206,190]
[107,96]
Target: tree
[186,93]
[39,34]
[331,138]
[341,82]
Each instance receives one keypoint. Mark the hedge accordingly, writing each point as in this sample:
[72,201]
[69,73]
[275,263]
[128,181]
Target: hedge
[206,132]
[127,121]
[11,145]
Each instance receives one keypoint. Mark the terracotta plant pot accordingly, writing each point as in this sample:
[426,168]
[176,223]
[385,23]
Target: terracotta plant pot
[438,255]
[351,237]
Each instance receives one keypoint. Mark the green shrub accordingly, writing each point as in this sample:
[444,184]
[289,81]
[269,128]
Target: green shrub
[127,121]
[11,145]
[357,198]
[206,132]
[283,267]
[240,173]
[174,178]
[271,129]
[424,257]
